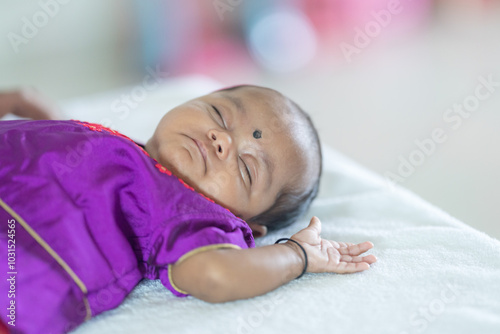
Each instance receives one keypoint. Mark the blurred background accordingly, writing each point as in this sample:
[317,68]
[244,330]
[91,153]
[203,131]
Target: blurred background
[409,89]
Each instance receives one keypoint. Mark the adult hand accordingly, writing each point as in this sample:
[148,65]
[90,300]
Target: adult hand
[27,103]
[331,256]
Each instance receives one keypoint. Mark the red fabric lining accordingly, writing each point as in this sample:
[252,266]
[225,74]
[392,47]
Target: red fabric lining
[3,328]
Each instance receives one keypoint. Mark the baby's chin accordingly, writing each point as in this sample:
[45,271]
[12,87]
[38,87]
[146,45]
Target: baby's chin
[177,161]
[182,172]
[185,170]
[209,189]
[178,171]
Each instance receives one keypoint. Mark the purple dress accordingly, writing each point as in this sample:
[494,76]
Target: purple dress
[85,214]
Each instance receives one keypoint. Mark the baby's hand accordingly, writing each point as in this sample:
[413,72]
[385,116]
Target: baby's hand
[27,103]
[331,256]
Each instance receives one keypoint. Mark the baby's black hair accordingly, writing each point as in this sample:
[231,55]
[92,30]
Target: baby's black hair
[290,204]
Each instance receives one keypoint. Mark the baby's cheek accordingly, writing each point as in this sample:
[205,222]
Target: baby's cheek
[217,185]
[176,161]
[224,190]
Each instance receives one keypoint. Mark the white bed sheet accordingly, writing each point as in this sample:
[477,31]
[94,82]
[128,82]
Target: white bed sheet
[434,275]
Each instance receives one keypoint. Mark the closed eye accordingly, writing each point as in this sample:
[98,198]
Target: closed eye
[220,115]
[248,171]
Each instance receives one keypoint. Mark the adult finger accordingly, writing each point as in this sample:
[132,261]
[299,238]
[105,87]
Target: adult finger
[28,102]
[36,109]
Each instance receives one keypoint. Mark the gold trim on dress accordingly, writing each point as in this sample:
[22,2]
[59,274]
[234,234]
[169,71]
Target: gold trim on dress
[56,257]
[193,252]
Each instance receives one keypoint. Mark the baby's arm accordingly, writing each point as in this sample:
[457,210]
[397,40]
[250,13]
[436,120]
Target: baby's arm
[229,274]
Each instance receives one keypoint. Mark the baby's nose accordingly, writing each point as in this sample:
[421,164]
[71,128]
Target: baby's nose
[221,142]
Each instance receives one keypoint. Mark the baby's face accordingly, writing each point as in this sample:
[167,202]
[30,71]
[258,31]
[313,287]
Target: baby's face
[238,147]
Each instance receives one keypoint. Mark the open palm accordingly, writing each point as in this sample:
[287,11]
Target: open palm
[332,256]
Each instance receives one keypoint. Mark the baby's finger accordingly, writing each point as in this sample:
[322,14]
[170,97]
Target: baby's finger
[356,259]
[347,268]
[315,224]
[356,249]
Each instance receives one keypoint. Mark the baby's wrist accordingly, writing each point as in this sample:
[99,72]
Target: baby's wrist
[299,258]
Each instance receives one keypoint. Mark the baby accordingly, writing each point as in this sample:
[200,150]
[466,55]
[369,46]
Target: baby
[237,163]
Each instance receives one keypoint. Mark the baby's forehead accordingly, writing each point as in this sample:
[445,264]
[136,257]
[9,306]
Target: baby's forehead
[261,99]
[286,116]
[255,94]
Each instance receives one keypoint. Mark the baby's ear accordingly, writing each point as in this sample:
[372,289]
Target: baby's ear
[258,231]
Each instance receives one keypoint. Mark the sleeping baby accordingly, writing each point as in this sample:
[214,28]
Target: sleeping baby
[86,213]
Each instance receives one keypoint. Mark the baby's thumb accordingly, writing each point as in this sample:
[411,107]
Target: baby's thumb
[315,224]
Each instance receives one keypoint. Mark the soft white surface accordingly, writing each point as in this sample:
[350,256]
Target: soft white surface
[434,274]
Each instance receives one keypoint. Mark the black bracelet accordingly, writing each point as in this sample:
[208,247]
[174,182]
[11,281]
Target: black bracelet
[305,254]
